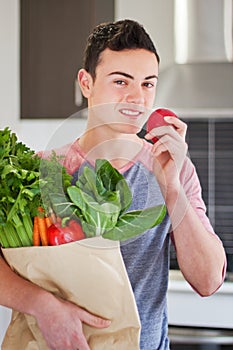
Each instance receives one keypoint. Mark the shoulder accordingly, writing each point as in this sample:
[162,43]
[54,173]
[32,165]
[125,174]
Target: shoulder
[69,154]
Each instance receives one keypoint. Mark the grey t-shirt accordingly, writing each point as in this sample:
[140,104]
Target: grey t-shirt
[146,259]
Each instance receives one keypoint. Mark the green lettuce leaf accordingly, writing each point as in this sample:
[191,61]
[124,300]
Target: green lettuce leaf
[136,222]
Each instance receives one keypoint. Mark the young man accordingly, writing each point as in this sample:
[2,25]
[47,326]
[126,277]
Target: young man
[119,81]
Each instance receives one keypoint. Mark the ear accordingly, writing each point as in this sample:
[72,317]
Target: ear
[86,82]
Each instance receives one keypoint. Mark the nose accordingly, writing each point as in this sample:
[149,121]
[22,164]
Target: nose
[135,95]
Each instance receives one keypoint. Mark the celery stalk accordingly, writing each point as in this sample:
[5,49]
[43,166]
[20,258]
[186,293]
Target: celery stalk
[17,232]
[3,239]
[28,226]
[21,231]
[12,236]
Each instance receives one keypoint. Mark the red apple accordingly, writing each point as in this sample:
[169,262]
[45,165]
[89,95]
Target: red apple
[156,119]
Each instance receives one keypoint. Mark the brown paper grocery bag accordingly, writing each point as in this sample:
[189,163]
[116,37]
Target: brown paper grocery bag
[90,273]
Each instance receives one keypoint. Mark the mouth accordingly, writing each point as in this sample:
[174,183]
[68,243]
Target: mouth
[131,113]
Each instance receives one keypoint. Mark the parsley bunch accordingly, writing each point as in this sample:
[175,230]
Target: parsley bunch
[19,190]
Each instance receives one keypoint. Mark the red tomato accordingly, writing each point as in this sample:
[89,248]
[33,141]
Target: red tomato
[156,119]
[54,235]
[76,229]
[60,235]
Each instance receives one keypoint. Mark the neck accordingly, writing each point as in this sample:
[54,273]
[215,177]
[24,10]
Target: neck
[119,149]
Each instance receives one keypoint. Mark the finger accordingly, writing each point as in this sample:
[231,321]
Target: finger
[174,121]
[160,148]
[170,145]
[93,320]
[158,132]
[179,125]
[168,140]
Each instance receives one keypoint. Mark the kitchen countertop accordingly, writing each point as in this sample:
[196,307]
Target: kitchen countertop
[187,308]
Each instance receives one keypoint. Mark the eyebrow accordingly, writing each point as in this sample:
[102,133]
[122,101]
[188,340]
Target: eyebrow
[131,77]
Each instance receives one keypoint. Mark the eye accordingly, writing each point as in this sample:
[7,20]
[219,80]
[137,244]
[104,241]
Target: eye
[120,82]
[148,85]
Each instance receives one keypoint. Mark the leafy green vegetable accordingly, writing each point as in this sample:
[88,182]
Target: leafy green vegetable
[135,222]
[19,190]
[101,198]
[54,178]
[100,216]
[22,175]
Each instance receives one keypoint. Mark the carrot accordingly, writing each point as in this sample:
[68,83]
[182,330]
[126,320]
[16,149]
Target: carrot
[40,209]
[36,234]
[48,221]
[43,230]
[52,217]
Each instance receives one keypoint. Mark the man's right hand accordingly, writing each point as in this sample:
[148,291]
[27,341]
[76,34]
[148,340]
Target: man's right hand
[61,321]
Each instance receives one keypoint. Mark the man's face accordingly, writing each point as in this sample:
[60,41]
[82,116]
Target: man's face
[124,88]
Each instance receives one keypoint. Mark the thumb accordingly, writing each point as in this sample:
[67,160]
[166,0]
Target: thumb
[93,320]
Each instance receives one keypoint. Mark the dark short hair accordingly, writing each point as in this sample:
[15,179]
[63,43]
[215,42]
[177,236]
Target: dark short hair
[116,36]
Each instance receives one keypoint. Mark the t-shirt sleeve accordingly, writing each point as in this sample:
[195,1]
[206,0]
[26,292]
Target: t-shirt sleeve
[69,156]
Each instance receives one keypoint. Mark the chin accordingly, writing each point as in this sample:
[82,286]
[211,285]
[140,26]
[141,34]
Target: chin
[127,128]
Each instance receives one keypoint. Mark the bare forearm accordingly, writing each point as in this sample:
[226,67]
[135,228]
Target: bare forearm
[18,293]
[200,254]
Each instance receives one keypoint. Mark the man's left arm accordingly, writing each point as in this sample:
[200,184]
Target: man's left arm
[200,252]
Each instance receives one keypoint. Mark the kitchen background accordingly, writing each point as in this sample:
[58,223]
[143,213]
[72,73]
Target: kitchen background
[194,41]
